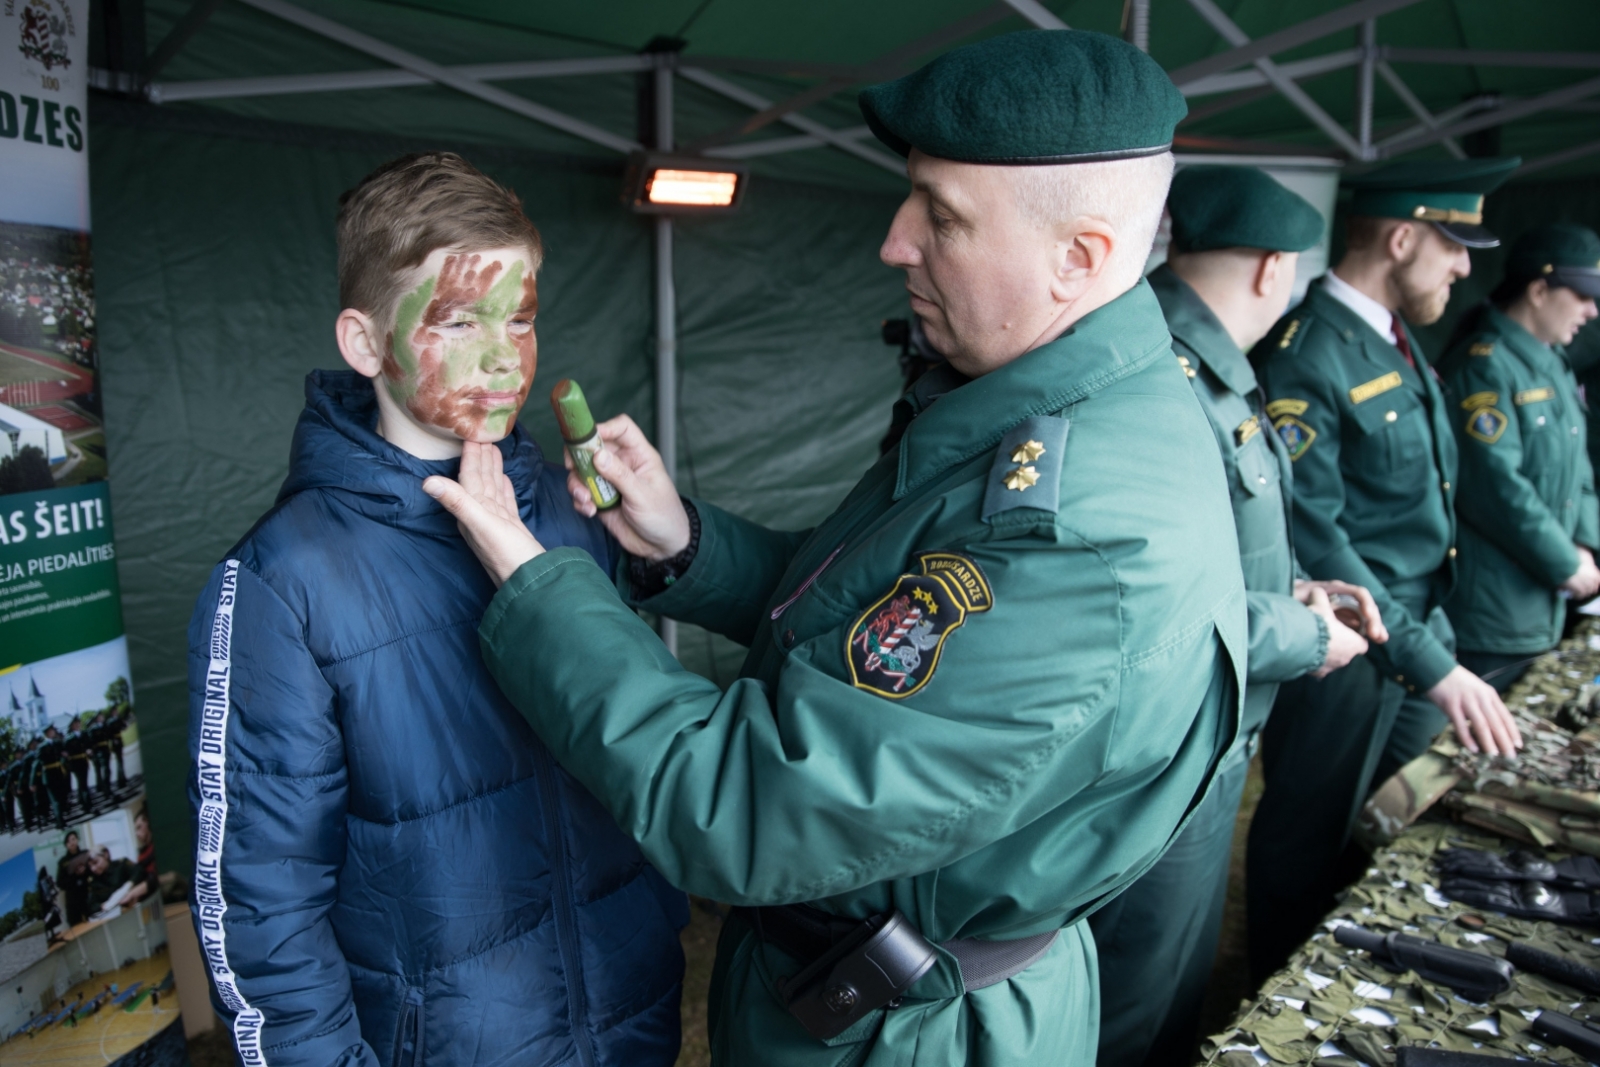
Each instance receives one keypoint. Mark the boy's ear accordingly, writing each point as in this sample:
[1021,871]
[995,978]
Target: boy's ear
[359,342]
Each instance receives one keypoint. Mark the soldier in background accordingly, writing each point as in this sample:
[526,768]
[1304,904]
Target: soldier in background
[72,875]
[28,788]
[117,722]
[1236,236]
[78,761]
[1358,409]
[1527,504]
[8,800]
[53,774]
[100,752]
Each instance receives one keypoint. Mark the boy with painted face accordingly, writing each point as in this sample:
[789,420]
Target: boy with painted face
[390,867]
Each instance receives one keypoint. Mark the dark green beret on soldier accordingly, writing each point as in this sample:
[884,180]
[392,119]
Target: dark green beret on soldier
[1371,435]
[982,696]
[1158,939]
[1526,501]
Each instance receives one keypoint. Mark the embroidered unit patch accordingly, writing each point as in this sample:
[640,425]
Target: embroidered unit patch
[1295,435]
[1482,348]
[894,647]
[1246,430]
[1287,405]
[1486,424]
[1376,387]
[1480,400]
[1533,396]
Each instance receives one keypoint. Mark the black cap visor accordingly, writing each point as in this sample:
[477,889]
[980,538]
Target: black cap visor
[1465,233]
[1585,281]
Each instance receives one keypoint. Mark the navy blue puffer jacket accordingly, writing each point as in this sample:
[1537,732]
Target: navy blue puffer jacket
[390,868]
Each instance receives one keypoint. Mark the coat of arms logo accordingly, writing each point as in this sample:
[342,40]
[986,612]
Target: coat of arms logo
[44,35]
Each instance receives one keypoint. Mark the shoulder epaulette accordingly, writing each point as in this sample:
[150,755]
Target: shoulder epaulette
[1026,472]
[1481,348]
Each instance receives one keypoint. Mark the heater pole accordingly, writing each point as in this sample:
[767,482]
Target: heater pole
[666,312]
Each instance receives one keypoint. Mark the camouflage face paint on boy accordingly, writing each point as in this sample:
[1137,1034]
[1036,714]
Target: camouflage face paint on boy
[462,352]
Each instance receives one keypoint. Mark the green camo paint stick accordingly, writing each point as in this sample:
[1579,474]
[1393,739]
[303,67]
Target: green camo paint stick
[583,441]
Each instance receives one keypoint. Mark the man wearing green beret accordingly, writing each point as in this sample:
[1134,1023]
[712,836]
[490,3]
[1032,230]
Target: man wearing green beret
[1526,501]
[1236,237]
[983,695]
[1358,408]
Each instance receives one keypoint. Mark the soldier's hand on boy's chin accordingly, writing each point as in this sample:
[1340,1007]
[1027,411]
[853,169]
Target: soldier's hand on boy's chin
[649,522]
[485,507]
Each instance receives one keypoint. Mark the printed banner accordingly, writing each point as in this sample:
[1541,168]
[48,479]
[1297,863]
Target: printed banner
[85,973]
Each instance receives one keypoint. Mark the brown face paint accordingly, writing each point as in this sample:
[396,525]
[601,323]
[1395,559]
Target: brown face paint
[463,353]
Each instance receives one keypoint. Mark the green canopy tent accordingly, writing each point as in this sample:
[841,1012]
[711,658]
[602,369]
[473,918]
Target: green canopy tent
[224,130]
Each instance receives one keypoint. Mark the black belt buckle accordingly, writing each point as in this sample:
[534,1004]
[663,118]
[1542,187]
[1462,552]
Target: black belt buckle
[861,974]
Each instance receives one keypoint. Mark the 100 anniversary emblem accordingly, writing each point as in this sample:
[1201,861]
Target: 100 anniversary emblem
[894,647]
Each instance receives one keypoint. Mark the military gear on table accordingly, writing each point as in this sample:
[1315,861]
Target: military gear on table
[1576,872]
[991,718]
[1030,97]
[1156,942]
[1447,193]
[1526,489]
[1526,900]
[1561,254]
[1580,1035]
[1239,207]
[1473,975]
[1552,965]
[1374,471]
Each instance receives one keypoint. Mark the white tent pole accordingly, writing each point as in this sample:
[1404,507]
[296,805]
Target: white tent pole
[666,313]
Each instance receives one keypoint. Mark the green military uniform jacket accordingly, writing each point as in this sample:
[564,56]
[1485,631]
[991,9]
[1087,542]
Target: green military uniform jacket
[1286,639]
[1374,465]
[1054,539]
[1527,489]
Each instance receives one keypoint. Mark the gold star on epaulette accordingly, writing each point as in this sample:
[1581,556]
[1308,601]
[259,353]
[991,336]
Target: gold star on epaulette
[1021,478]
[1027,452]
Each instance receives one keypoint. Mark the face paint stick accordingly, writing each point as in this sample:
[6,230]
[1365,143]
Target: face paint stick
[583,440]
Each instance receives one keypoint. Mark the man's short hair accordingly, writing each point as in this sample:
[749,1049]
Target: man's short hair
[1361,232]
[1129,194]
[410,207]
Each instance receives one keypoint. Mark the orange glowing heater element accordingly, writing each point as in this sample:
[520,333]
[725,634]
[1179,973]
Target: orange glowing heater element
[692,188]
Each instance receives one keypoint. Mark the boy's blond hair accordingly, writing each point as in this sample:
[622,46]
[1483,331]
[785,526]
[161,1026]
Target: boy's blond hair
[408,208]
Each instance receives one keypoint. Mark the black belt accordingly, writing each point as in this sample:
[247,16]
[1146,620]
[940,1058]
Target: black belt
[855,966]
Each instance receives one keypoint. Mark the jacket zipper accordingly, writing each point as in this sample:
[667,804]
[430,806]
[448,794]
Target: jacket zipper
[408,1038]
[798,593]
[561,908]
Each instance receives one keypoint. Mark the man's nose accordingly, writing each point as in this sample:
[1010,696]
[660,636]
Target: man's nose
[898,249]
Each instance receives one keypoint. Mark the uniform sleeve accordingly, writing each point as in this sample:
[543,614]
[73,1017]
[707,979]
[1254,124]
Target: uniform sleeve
[268,789]
[819,785]
[1496,499]
[1587,533]
[1287,639]
[730,580]
[1312,434]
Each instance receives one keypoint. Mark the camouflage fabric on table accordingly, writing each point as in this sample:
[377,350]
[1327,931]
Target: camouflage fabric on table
[1548,794]
[1333,1006]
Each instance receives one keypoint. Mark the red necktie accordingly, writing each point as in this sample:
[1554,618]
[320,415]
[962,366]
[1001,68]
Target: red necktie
[1401,341]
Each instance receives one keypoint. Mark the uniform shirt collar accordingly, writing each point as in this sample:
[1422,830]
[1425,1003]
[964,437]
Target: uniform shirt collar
[1518,339]
[960,418]
[1374,314]
[1192,322]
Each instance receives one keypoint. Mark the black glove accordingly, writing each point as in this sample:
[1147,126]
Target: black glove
[1520,865]
[1524,899]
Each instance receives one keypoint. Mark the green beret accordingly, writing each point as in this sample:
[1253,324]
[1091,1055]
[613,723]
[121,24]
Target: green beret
[1239,207]
[1448,193]
[1031,97]
[1562,254]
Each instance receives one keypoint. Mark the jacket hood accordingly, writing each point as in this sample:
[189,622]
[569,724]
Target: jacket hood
[336,448]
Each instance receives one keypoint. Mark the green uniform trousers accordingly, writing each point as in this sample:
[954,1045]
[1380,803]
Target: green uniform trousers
[1142,957]
[1329,743]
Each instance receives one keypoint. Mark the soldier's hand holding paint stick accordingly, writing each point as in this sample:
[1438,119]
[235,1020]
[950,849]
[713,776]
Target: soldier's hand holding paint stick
[614,472]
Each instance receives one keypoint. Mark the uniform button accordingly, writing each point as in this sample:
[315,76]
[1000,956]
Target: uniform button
[1539,421]
[788,639]
[1389,416]
[1447,487]
[1262,478]
[1574,431]
[1452,552]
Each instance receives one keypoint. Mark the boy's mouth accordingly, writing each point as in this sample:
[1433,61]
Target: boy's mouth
[493,398]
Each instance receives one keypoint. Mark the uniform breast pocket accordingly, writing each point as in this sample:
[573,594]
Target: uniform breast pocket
[1257,496]
[1393,436]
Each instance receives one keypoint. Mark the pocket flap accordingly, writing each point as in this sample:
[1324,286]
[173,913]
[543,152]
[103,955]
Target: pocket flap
[1257,466]
[1385,410]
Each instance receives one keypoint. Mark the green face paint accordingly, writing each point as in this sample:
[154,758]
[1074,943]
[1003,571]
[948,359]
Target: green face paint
[463,353]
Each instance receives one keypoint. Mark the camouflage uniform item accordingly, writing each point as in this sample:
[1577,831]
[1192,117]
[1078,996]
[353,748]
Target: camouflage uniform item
[1548,795]
[1334,1007]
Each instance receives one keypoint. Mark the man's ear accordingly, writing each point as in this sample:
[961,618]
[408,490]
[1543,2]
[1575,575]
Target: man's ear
[1267,270]
[1403,241]
[1537,292]
[359,343]
[1081,257]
